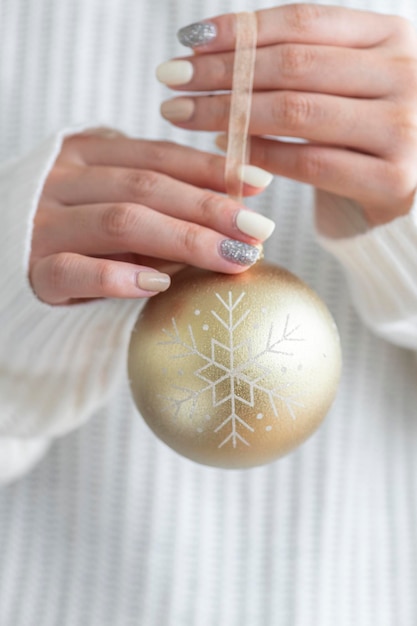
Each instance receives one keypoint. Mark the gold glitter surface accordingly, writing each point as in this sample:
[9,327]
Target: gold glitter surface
[234,371]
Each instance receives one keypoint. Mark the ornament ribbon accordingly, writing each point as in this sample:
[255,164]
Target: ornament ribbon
[241,99]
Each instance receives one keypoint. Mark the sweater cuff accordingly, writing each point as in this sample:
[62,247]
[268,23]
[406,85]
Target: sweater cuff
[57,364]
[381,267]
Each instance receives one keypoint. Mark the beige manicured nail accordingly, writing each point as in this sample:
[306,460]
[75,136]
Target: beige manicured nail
[178,110]
[103,131]
[153,281]
[254,224]
[255,176]
[175,72]
[221,142]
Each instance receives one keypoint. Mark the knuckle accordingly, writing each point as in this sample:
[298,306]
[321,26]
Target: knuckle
[402,180]
[404,76]
[188,240]
[158,152]
[208,206]
[73,147]
[106,276]
[403,127]
[70,144]
[302,17]
[222,68]
[141,184]
[60,267]
[403,30]
[57,175]
[312,166]
[117,221]
[214,165]
[292,110]
[220,112]
[411,77]
[262,153]
[296,60]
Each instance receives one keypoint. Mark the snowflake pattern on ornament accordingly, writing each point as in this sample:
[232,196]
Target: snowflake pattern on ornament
[228,371]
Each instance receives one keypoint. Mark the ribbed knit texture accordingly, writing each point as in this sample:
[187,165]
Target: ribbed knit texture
[47,382]
[112,528]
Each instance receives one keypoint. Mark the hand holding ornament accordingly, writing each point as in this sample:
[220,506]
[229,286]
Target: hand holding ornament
[342,80]
[118,216]
[235,371]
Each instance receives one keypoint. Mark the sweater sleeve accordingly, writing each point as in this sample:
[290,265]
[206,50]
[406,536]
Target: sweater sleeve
[57,364]
[380,264]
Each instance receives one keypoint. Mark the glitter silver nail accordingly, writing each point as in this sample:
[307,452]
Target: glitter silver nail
[197,34]
[239,252]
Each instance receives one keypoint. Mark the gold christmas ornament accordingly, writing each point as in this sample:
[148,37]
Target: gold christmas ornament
[234,371]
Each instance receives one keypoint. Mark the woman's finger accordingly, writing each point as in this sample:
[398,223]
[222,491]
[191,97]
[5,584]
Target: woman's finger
[194,167]
[323,69]
[371,126]
[102,230]
[96,185]
[162,265]
[379,187]
[64,277]
[299,23]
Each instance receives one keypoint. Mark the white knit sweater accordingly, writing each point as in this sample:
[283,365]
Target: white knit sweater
[112,528]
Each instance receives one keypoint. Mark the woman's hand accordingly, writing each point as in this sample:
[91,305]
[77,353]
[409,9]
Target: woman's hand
[344,81]
[118,215]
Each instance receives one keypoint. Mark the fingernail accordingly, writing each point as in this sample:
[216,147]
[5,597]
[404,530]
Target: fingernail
[249,174]
[255,176]
[239,252]
[153,281]
[175,72]
[221,142]
[198,34]
[178,109]
[104,131]
[254,224]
